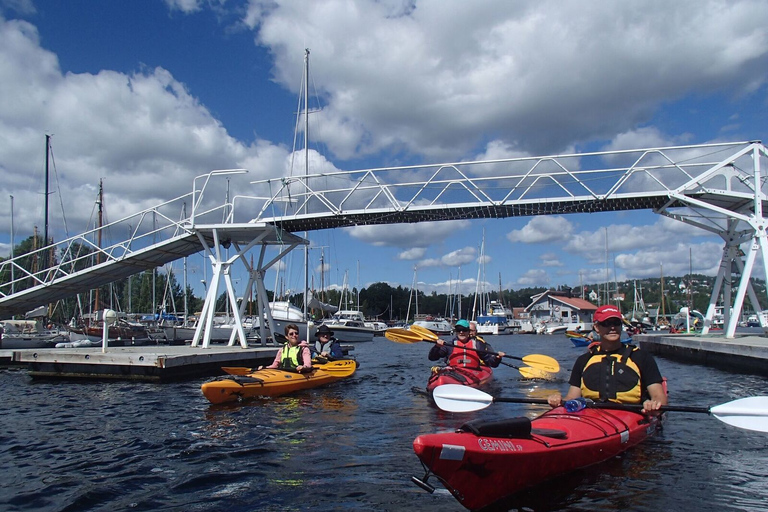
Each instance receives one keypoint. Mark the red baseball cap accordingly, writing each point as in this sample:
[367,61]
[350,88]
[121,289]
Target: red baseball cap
[603,313]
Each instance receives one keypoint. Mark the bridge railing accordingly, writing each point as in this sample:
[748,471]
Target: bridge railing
[725,167]
[113,241]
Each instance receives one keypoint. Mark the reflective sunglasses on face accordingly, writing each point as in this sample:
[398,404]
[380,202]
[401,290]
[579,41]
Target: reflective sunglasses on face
[611,323]
[292,334]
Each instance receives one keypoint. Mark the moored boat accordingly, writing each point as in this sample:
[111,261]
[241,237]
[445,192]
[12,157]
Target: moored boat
[439,326]
[495,320]
[350,326]
[484,462]
[472,377]
[578,339]
[273,382]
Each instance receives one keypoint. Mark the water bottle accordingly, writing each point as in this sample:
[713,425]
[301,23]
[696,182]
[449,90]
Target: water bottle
[575,405]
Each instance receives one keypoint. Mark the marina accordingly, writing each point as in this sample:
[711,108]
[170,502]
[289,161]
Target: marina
[112,445]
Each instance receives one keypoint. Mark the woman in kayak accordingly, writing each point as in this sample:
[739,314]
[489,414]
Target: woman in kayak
[465,352]
[614,372]
[294,355]
[326,345]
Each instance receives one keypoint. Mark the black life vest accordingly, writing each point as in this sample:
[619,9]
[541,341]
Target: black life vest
[612,377]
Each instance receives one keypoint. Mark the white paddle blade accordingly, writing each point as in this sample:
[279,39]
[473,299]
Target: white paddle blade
[457,398]
[749,413]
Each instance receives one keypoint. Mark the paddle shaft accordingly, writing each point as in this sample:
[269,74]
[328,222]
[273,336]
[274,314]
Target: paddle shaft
[607,405]
[479,351]
[431,337]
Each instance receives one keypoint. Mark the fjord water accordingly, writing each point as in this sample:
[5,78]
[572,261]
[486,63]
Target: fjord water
[113,446]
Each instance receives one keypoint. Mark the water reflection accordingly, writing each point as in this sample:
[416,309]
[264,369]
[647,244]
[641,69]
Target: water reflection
[136,446]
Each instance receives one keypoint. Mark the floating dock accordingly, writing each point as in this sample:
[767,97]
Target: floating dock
[747,353]
[157,363]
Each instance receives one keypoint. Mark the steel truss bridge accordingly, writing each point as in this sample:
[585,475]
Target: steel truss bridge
[720,188]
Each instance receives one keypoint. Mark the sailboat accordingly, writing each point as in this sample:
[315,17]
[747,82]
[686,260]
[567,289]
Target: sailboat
[435,324]
[493,317]
[283,312]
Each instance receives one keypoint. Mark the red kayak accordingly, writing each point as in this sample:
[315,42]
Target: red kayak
[484,462]
[459,375]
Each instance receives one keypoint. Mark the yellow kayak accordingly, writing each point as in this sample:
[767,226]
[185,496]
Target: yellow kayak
[247,383]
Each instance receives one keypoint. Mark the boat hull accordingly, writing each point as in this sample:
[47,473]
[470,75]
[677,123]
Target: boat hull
[439,327]
[346,333]
[270,383]
[462,376]
[480,470]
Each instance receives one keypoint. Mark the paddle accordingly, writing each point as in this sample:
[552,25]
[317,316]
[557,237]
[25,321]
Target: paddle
[340,368]
[530,373]
[399,335]
[749,413]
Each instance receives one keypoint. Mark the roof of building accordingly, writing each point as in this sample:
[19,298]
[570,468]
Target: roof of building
[555,296]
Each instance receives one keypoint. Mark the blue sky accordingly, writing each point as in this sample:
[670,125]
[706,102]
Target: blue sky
[148,94]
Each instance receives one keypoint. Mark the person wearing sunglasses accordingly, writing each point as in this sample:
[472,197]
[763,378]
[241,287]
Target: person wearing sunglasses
[614,372]
[294,355]
[464,352]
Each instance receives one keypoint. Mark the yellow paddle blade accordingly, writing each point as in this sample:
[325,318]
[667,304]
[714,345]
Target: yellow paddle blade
[534,373]
[399,335]
[237,370]
[340,368]
[542,362]
[424,332]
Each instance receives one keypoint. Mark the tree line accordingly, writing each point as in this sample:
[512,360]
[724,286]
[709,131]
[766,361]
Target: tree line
[154,291]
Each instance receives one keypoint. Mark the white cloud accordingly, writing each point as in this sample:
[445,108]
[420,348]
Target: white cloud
[455,258]
[422,234]
[542,229]
[144,134]
[446,72]
[533,277]
[185,6]
[550,260]
[412,254]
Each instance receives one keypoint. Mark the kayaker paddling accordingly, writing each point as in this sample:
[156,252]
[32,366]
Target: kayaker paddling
[294,355]
[467,352]
[614,372]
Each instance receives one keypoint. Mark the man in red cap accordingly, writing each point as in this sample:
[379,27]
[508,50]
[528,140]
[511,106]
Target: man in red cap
[613,372]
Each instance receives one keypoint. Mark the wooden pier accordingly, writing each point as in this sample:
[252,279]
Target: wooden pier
[158,363]
[743,354]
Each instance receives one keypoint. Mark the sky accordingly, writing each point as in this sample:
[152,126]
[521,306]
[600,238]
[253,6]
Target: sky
[145,95]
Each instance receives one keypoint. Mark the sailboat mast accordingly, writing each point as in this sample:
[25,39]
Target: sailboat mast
[13,276]
[97,300]
[661,270]
[306,172]
[47,159]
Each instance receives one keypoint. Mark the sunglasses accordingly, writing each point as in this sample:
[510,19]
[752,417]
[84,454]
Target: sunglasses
[611,323]
[292,334]
[461,331]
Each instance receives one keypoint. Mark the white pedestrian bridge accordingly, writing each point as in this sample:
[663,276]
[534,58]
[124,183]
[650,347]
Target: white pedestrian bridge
[719,187]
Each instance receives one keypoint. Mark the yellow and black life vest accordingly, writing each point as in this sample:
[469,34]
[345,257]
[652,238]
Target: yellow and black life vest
[612,377]
[290,357]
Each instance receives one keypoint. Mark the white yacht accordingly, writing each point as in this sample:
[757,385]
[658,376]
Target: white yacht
[349,326]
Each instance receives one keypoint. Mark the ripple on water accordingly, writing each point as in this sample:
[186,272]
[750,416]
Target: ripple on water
[106,446]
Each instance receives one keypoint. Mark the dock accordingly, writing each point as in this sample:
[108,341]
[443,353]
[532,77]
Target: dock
[747,353]
[154,363]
